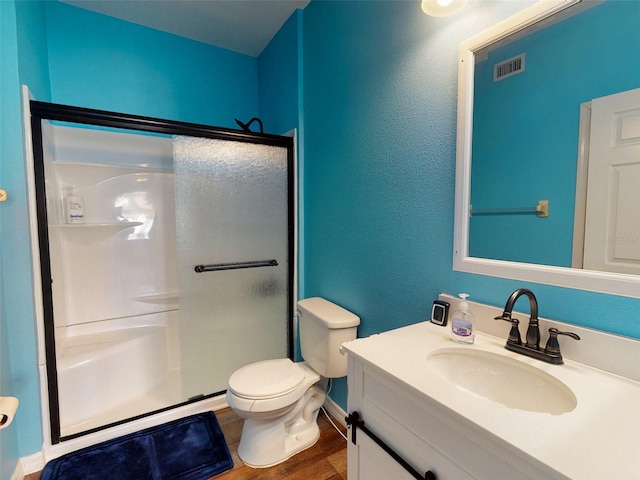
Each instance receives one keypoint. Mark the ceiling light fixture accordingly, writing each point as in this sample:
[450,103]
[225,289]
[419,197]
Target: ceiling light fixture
[442,8]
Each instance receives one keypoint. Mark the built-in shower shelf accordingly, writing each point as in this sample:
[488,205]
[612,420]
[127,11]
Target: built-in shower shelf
[159,298]
[94,232]
[112,225]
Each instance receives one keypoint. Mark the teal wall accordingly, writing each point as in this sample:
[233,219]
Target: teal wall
[100,62]
[9,109]
[32,48]
[380,86]
[376,87]
[278,67]
[22,61]
[609,313]
[526,129]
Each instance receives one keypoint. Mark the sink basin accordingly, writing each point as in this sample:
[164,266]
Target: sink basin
[503,379]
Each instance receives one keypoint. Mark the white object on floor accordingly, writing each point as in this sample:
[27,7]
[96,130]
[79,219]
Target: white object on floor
[279,399]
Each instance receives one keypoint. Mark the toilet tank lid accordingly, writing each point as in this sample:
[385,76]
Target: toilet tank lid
[334,316]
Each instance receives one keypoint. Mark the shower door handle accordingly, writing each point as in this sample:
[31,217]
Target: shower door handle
[235,266]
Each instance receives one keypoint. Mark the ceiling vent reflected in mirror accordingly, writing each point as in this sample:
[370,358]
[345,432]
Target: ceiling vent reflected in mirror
[508,68]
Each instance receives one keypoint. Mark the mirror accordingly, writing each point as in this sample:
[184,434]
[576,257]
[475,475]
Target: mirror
[523,138]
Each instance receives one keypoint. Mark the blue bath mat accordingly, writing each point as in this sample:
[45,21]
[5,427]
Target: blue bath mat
[192,448]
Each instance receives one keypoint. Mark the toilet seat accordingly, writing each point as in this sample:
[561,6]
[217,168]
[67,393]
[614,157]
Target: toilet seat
[269,386]
[266,379]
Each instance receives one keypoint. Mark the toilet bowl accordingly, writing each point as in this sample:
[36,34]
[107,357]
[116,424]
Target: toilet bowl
[279,399]
[280,407]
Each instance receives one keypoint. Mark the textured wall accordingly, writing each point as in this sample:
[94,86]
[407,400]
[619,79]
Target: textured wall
[100,62]
[278,79]
[380,87]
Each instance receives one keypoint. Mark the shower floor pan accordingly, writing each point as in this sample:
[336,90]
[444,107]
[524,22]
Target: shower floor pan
[110,376]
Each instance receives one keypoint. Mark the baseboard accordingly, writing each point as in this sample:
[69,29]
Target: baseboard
[27,465]
[18,473]
[336,412]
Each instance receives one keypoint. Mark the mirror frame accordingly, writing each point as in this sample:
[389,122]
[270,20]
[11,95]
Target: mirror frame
[603,282]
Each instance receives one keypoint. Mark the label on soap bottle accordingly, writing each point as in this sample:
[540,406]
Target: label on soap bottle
[462,328]
[74,209]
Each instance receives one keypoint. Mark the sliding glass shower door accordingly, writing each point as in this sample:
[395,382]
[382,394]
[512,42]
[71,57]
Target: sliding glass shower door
[179,273]
[233,257]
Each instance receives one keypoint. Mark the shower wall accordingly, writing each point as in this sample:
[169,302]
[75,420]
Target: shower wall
[122,261]
[115,291]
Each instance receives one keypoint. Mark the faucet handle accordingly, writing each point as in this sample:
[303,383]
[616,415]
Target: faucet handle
[514,333]
[553,346]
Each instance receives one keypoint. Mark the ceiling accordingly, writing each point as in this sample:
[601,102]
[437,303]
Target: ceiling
[244,26]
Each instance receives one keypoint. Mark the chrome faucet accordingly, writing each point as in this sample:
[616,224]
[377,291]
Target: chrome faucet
[531,348]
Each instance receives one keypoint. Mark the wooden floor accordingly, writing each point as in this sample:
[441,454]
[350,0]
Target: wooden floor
[326,460]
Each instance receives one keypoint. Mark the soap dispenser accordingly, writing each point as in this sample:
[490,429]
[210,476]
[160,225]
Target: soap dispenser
[462,322]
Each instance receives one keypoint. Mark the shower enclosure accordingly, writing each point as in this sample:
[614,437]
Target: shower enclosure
[179,273]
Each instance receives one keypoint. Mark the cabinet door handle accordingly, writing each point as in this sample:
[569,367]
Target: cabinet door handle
[353,421]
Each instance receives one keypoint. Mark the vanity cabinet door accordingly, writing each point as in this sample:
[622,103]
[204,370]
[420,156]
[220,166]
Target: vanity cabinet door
[368,461]
[375,464]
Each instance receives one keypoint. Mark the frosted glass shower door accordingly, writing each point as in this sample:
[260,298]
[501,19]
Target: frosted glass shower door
[232,207]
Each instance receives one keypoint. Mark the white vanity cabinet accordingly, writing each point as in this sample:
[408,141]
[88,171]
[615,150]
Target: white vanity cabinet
[426,435]
[447,425]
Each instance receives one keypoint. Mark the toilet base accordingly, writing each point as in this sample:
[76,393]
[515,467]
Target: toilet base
[265,443]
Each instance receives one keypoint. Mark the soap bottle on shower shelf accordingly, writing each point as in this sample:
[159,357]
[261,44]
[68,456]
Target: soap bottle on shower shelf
[73,207]
[462,322]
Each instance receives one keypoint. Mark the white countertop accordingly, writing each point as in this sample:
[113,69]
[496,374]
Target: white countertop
[599,439]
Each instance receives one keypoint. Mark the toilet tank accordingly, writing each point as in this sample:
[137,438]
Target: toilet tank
[323,328]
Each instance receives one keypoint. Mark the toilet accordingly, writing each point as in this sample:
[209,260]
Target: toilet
[279,399]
